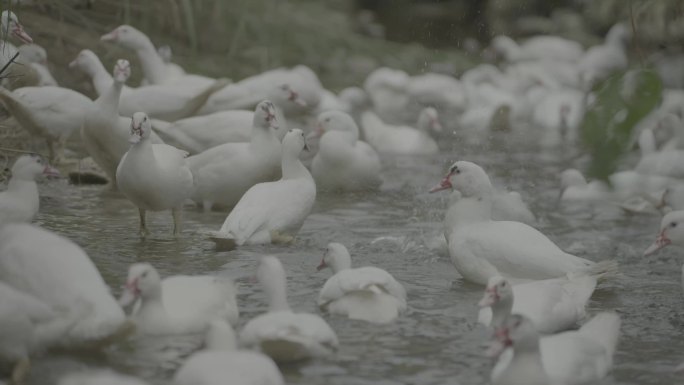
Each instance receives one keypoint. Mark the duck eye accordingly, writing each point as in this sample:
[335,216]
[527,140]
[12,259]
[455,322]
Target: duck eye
[673,224]
[144,274]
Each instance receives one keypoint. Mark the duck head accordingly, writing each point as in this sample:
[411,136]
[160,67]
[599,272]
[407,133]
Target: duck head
[497,290]
[337,121]
[122,71]
[143,280]
[671,232]
[10,23]
[289,95]
[265,115]
[141,127]
[295,141]
[428,120]
[86,61]
[128,37]
[466,177]
[336,257]
[30,167]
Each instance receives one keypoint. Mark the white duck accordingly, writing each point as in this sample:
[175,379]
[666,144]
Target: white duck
[36,57]
[179,304]
[154,177]
[543,47]
[343,162]
[575,188]
[203,132]
[57,272]
[105,134]
[273,211]
[601,60]
[224,173]
[433,89]
[20,315]
[280,333]
[671,232]
[663,163]
[52,113]
[481,248]
[552,304]
[577,357]
[153,66]
[249,92]
[386,88]
[162,101]
[200,133]
[221,362]
[559,114]
[363,293]
[20,202]
[403,140]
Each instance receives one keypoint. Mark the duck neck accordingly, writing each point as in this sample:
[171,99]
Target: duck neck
[528,363]
[152,304]
[292,167]
[276,291]
[500,311]
[469,210]
[152,64]
[143,148]
[108,102]
[340,265]
[25,187]
[102,80]
[261,137]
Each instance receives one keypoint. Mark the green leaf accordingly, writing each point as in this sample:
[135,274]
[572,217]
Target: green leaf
[622,100]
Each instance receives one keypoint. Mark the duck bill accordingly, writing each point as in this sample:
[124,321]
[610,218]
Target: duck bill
[659,243]
[445,184]
[111,36]
[321,266]
[22,35]
[488,299]
[316,133]
[294,97]
[128,296]
[51,171]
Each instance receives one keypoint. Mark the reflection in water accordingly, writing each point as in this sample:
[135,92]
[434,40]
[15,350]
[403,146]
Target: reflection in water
[437,341]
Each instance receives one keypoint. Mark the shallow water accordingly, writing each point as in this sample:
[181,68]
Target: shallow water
[437,341]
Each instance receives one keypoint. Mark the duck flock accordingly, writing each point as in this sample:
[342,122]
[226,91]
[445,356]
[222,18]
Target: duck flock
[262,150]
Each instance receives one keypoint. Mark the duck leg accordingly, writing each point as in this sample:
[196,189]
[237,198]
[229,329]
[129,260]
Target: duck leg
[177,220]
[20,371]
[143,224]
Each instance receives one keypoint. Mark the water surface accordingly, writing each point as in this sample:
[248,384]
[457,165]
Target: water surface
[437,341]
